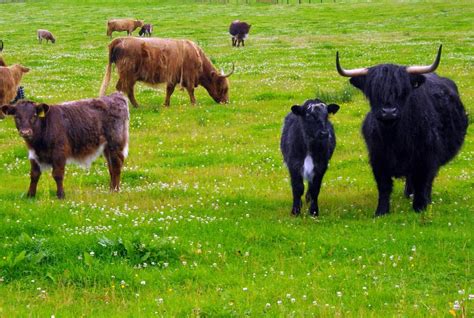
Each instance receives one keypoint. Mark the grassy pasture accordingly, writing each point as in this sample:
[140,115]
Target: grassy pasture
[202,225]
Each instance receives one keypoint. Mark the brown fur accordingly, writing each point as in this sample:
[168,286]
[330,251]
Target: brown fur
[74,131]
[154,61]
[46,35]
[118,25]
[10,78]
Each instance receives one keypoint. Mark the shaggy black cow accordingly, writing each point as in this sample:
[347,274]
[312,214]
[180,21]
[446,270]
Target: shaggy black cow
[307,144]
[416,124]
[239,32]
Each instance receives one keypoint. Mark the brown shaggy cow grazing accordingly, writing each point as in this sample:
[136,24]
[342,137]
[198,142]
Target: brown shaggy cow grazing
[154,61]
[10,78]
[118,25]
[45,34]
[76,132]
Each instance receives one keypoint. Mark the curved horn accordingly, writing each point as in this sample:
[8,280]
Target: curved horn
[349,73]
[426,69]
[231,72]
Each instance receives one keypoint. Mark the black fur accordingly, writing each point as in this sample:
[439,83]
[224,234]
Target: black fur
[239,31]
[416,124]
[308,132]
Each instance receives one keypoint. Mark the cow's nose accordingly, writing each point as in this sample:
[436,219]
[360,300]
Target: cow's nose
[26,132]
[389,113]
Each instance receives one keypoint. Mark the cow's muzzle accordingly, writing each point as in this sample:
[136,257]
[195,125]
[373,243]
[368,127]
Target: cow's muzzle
[389,114]
[26,133]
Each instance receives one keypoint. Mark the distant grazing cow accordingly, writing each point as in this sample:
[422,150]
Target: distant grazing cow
[416,124]
[10,78]
[239,32]
[146,30]
[46,35]
[119,25]
[307,143]
[1,45]
[154,61]
[76,132]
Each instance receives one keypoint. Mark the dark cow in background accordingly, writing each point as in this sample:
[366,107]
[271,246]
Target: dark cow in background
[416,124]
[76,132]
[1,45]
[239,32]
[307,143]
[155,61]
[146,30]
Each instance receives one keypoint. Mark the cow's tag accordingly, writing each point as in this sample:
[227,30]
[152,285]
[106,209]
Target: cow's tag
[41,114]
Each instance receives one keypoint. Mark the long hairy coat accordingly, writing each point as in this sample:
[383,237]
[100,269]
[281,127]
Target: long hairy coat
[10,78]
[154,61]
[430,130]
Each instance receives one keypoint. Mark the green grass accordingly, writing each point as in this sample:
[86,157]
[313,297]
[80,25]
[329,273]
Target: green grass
[202,226]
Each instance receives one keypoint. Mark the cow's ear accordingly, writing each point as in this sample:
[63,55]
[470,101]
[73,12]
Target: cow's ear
[297,110]
[42,110]
[358,82]
[8,109]
[417,80]
[333,108]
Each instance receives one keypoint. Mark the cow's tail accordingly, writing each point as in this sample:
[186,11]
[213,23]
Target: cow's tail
[106,80]
[114,51]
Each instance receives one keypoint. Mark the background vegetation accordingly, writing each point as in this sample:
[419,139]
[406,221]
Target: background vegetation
[202,226]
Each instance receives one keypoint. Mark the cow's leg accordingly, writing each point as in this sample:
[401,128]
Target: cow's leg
[384,185]
[422,185]
[58,175]
[169,92]
[313,190]
[127,87]
[297,187]
[115,159]
[35,174]
[190,89]
[408,187]
[243,42]
[234,41]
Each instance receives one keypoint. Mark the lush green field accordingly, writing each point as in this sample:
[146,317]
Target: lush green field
[202,226]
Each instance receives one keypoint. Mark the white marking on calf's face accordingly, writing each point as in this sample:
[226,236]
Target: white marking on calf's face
[308,168]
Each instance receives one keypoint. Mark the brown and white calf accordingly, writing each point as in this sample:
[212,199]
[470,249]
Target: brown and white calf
[73,132]
[46,35]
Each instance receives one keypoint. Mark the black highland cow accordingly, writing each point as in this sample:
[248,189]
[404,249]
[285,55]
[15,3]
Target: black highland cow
[416,124]
[307,143]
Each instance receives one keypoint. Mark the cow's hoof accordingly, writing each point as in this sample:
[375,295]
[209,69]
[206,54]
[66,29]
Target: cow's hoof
[30,195]
[314,214]
[295,212]
[61,195]
[380,213]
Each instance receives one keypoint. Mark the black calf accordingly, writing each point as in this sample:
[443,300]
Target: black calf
[307,143]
